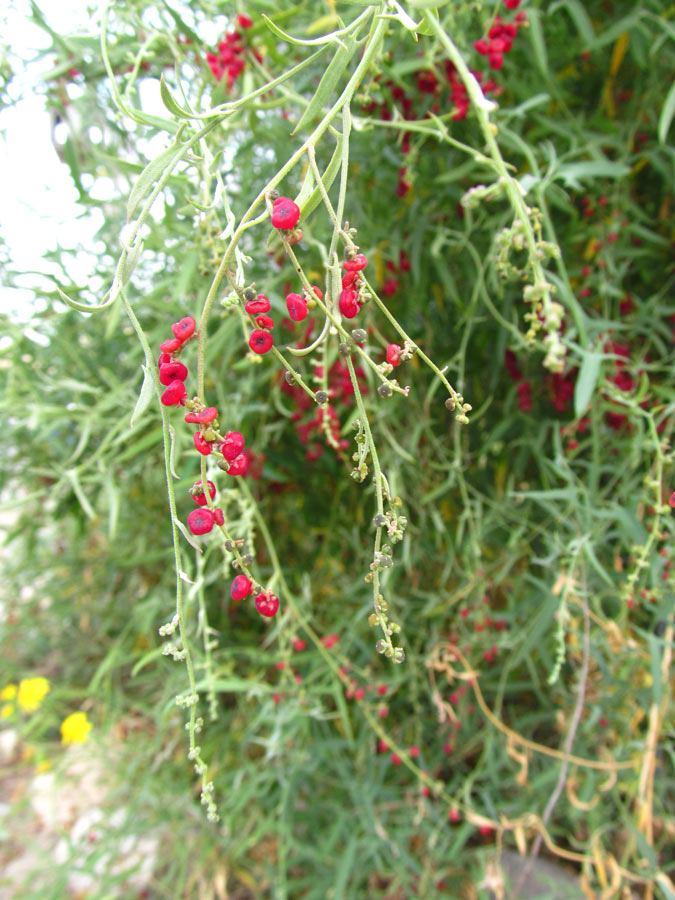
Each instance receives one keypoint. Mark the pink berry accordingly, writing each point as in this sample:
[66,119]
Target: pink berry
[175,394]
[202,445]
[299,645]
[349,305]
[455,816]
[184,329]
[232,445]
[172,371]
[414,752]
[267,604]
[260,341]
[395,759]
[356,263]
[671,500]
[239,465]
[285,213]
[297,307]
[200,497]
[200,521]
[260,305]
[241,587]
[394,355]
[382,689]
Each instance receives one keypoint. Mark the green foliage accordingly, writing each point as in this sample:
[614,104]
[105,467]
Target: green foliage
[524,252]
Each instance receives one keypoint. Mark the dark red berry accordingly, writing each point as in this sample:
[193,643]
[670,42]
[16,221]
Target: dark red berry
[200,496]
[349,305]
[171,345]
[297,307]
[200,521]
[267,604]
[260,341]
[184,329]
[232,445]
[175,394]
[239,465]
[264,321]
[355,264]
[260,305]
[285,213]
[202,445]
[172,371]
[241,587]
[218,517]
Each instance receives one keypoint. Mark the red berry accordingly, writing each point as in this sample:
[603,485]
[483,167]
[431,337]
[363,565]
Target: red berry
[382,689]
[455,816]
[495,60]
[265,321]
[204,417]
[241,587]
[267,604]
[172,371]
[486,829]
[355,264]
[260,305]
[200,497]
[512,4]
[482,46]
[395,759]
[219,516]
[164,358]
[175,394]
[671,500]
[200,521]
[297,307]
[202,445]
[232,446]
[244,21]
[171,345]
[299,645]
[414,752]
[359,694]
[260,341]
[382,746]
[239,465]
[394,355]
[285,213]
[184,329]
[317,291]
[349,305]
[349,279]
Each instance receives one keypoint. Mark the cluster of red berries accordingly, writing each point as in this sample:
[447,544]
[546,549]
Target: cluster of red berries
[390,285]
[266,603]
[229,59]
[500,37]
[173,373]
[350,301]
[285,216]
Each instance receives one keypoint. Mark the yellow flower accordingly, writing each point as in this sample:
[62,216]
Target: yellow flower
[8,693]
[75,728]
[6,710]
[31,693]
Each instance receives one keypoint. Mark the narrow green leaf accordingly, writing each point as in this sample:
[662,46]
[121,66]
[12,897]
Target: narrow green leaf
[667,114]
[74,480]
[187,535]
[586,381]
[328,83]
[144,398]
[538,43]
[579,16]
[327,178]
[169,101]
[307,42]
[145,181]
[574,173]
